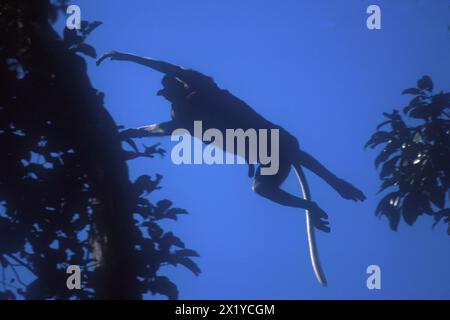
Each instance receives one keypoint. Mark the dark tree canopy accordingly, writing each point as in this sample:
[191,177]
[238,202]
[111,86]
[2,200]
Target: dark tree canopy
[65,194]
[415,157]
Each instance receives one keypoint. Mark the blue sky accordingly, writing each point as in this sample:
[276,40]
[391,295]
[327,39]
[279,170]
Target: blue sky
[314,68]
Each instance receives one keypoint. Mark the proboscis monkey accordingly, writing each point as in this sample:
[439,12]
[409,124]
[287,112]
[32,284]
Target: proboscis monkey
[195,96]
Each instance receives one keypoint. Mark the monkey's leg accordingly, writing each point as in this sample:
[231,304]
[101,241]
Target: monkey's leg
[269,188]
[311,163]
[345,189]
[284,198]
[278,195]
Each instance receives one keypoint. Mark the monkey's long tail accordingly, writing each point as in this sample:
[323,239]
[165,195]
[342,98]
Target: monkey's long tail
[313,252]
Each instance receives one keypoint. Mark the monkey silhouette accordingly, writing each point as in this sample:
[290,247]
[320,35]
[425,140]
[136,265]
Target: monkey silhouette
[195,96]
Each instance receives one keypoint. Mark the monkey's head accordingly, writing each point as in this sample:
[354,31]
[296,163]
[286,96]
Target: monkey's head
[173,89]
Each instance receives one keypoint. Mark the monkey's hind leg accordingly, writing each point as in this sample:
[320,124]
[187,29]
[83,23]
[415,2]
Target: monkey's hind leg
[344,188]
[268,186]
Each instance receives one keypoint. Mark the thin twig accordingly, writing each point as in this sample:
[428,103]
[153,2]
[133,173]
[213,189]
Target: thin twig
[23,264]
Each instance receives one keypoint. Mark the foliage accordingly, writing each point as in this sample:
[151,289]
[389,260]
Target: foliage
[415,157]
[65,194]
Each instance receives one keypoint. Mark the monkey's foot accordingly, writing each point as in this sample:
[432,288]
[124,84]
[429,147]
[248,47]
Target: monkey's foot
[348,191]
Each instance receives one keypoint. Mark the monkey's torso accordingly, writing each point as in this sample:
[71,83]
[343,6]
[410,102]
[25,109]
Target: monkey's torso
[221,110]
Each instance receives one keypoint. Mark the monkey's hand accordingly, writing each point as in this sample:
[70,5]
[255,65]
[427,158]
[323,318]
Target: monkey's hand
[113,55]
[319,218]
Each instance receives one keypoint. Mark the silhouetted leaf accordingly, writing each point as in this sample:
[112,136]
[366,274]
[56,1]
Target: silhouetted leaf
[386,203]
[420,112]
[163,205]
[394,219]
[386,184]
[440,215]
[88,27]
[145,183]
[388,207]
[417,101]
[154,230]
[187,253]
[154,149]
[87,50]
[389,167]
[412,91]
[392,116]
[389,150]
[191,265]
[437,197]
[173,212]
[411,209]
[425,83]
[378,137]
[168,240]
[383,124]
[163,285]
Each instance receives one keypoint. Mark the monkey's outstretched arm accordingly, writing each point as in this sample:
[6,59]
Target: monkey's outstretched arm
[313,252]
[157,65]
[154,130]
